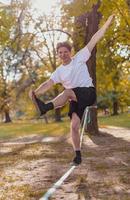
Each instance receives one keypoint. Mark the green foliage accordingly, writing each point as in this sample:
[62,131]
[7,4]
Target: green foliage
[112,57]
[77,8]
[17,66]
[12,50]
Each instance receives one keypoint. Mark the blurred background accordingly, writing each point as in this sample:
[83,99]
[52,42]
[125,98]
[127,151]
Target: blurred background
[29,32]
[36,151]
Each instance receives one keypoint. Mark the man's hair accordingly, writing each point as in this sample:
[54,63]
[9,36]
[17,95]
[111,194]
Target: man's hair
[64,44]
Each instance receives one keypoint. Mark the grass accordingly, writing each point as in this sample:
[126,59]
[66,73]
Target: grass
[122,120]
[17,129]
[25,128]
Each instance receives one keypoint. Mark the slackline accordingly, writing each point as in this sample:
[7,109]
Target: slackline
[48,194]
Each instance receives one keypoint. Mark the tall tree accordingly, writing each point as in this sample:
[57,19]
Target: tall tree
[14,43]
[82,33]
[6,24]
[112,61]
[115,42]
[93,18]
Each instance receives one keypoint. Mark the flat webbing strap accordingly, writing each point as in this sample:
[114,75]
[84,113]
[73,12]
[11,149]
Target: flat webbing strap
[85,116]
[57,184]
[49,193]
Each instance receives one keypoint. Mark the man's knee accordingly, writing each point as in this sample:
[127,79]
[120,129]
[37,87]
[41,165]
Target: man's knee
[67,92]
[75,123]
[70,94]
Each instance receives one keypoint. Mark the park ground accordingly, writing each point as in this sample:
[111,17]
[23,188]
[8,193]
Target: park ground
[34,156]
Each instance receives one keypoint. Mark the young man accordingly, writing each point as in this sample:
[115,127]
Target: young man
[79,90]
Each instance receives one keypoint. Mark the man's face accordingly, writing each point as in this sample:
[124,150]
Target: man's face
[64,54]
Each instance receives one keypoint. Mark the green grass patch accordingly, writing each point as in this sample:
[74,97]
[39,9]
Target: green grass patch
[17,129]
[27,128]
[121,120]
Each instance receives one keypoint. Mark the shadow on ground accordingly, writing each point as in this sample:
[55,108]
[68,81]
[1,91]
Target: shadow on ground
[29,169]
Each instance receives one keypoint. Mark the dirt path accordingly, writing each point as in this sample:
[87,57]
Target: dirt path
[29,166]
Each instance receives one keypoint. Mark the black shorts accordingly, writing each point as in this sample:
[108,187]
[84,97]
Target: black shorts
[86,96]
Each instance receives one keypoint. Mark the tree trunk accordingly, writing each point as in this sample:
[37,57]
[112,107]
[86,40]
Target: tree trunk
[115,108]
[58,115]
[7,117]
[128,2]
[92,127]
[92,27]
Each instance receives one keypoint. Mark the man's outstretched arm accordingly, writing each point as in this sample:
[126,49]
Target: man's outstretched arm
[42,88]
[99,34]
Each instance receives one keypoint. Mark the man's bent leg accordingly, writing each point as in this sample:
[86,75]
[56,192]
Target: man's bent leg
[59,101]
[75,125]
[63,97]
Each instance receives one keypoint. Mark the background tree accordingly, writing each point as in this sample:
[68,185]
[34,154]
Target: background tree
[85,25]
[15,40]
[6,22]
[116,41]
[113,57]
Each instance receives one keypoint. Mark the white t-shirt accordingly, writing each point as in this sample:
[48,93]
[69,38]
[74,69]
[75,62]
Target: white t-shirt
[75,74]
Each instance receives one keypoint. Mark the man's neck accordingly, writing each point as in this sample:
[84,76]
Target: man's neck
[66,62]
